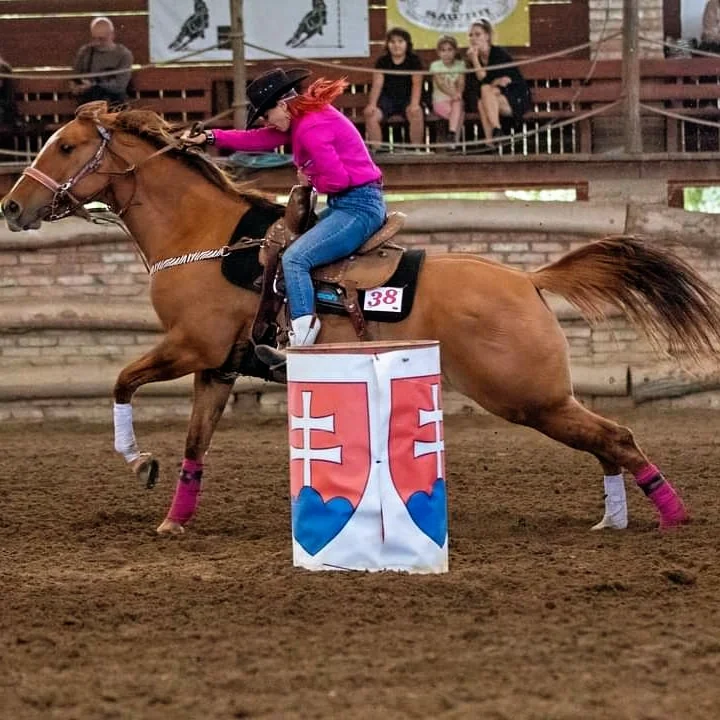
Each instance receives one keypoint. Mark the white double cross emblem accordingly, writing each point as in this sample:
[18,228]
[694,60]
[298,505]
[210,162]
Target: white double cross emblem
[307,424]
[434,416]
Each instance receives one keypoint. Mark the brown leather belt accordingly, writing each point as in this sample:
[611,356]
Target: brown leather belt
[372,183]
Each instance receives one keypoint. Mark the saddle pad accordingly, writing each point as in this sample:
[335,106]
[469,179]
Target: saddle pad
[243,268]
[329,298]
[405,277]
[256,221]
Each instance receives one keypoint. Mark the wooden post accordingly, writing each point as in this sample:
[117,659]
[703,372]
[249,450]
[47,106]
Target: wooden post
[631,76]
[238,52]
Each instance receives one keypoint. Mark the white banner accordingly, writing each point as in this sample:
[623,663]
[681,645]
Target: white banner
[300,28]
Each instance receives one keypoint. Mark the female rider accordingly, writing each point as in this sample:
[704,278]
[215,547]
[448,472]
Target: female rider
[330,155]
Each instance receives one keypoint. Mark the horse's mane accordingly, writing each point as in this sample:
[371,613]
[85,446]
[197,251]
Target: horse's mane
[150,126]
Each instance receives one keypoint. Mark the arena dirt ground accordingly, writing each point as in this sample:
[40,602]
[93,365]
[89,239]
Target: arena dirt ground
[538,618]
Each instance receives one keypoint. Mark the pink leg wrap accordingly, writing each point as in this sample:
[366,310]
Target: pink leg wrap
[192,465]
[187,492]
[662,494]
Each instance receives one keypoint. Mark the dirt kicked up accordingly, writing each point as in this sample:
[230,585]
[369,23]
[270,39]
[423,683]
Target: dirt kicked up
[538,617]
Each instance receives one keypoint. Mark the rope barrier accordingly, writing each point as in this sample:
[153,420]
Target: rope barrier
[309,61]
[105,73]
[680,115]
[505,139]
[501,66]
[675,46]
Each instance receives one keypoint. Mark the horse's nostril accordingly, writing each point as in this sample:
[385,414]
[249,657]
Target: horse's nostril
[11,208]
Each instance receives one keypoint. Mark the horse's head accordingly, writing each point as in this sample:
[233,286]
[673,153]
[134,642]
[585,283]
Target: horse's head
[64,174]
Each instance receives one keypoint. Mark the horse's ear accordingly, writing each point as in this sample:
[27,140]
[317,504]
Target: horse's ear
[92,110]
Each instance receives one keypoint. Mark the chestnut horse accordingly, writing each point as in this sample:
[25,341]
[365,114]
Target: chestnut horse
[501,344]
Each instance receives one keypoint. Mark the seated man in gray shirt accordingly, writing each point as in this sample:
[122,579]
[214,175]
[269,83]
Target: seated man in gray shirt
[102,54]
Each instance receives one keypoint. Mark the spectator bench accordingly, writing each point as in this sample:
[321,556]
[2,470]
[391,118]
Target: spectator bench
[562,90]
[45,104]
[566,89]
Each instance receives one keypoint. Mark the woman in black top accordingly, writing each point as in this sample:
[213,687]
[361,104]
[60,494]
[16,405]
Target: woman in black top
[501,97]
[396,94]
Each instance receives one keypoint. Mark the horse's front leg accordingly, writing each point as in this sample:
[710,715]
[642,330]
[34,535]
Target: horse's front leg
[166,361]
[210,397]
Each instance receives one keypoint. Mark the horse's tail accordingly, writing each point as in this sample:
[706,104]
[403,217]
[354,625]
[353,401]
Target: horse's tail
[674,306]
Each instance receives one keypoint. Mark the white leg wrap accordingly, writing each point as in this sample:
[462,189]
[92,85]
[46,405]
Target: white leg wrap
[616,514]
[125,442]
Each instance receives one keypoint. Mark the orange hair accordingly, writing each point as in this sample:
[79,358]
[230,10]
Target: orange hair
[321,93]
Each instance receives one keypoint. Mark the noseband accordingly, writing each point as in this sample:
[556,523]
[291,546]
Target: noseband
[63,202]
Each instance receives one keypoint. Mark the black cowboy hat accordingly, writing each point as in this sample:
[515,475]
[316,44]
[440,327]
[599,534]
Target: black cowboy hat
[264,92]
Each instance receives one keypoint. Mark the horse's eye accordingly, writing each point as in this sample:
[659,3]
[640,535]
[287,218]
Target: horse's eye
[66,148]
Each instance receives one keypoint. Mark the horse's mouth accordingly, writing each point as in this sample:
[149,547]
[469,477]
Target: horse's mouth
[18,227]
[20,224]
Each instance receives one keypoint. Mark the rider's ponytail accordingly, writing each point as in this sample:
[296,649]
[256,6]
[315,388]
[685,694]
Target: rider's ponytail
[321,93]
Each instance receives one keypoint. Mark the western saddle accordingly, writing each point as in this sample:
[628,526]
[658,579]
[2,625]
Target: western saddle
[370,266]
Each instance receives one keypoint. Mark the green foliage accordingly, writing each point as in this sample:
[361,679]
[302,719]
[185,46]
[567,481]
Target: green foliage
[702,199]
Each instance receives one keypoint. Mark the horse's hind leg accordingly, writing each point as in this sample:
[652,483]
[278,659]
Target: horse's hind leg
[614,446]
[210,397]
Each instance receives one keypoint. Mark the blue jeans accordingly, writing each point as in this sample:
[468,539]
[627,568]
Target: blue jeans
[349,219]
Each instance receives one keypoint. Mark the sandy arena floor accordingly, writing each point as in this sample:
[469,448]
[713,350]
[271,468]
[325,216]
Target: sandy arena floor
[538,618]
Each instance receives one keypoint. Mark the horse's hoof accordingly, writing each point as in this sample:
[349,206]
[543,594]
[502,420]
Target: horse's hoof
[611,522]
[146,469]
[675,521]
[170,527]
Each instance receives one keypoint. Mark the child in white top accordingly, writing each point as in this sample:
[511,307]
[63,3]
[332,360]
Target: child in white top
[448,75]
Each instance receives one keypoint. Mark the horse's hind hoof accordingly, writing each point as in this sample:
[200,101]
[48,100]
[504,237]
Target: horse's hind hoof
[146,469]
[675,521]
[170,527]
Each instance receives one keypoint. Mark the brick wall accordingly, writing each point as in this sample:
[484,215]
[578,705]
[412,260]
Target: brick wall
[72,347]
[111,271]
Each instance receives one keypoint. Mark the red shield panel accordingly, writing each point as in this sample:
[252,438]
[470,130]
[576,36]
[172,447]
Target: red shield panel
[416,435]
[329,439]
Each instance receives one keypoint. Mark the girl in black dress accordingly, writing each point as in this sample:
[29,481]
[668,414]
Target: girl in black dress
[396,94]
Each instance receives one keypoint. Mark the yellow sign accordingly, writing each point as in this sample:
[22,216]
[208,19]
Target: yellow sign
[428,20]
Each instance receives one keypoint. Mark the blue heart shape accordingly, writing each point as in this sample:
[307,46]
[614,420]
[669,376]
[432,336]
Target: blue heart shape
[316,522]
[429,512]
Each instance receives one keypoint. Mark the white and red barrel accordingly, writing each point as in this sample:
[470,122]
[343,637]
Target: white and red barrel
[367,457]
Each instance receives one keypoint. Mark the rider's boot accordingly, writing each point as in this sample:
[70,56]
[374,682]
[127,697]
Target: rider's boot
[304,331]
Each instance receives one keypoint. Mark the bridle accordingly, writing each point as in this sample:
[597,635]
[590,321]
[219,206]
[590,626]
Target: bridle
[64,203]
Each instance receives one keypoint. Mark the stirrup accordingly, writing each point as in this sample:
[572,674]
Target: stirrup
[270,356]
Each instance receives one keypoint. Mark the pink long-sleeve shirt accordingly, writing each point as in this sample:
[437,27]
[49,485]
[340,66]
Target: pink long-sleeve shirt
[326,146]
